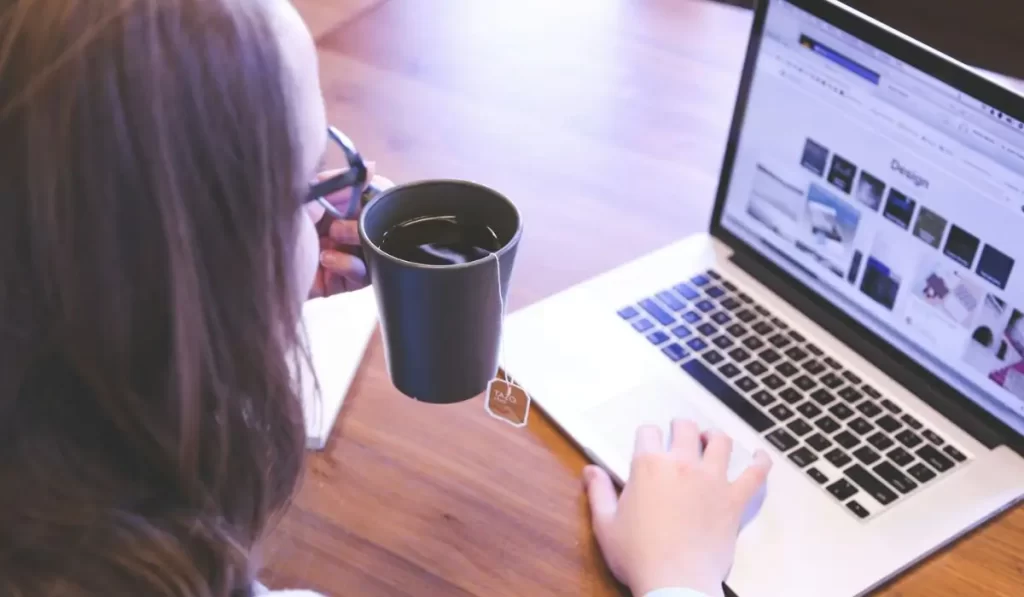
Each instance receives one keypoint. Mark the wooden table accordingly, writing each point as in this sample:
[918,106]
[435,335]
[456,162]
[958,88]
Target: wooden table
[605,120]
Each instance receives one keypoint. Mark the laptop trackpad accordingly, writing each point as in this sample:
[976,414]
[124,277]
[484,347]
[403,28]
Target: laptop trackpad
[614,424]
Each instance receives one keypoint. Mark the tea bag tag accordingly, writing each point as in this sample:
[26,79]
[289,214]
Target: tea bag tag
[505,400]
[508,402]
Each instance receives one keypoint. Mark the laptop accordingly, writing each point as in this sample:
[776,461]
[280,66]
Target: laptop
[856,308]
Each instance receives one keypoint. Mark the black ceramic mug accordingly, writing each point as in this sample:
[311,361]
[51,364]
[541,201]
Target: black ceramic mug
[441,323]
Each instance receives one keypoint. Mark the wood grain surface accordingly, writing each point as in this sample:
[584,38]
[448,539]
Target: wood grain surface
[605,120]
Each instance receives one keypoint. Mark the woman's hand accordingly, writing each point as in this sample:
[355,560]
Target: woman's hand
[678,518]
[341,267]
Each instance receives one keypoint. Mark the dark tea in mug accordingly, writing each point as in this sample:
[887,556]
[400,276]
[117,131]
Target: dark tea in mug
[440,240]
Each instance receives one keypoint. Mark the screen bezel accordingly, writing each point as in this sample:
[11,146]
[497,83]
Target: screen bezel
[949,401]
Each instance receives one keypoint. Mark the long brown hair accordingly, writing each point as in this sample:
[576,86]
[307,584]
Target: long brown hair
[149,187]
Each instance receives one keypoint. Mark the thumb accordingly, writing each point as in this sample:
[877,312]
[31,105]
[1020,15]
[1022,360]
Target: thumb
[603,500]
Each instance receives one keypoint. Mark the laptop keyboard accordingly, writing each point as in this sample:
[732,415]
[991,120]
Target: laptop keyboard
[864,449]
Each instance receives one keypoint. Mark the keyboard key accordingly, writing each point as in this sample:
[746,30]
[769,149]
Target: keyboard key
[908,438]
[846,439]
[802,457]
[911,422]
[728,396]
[723,342]
[729,370]
[746,384]
[753,342]
[713,357]
[729,286]
[714,291]
[721,318]
[763,328]
[713,274]
[866,455]
[739,355]
[675,352]
[819,442]
[922,473]
[779,341]
[869,409]
[850,394]
[705,306]
[707,329]
[827,424]
[773,381]
[681,331]
[900,456]
[628,313]
[841,411]
[891,406]
[691,316]
[936,459]
[730,303]
[700,280]
[870,391]
[804,383]
[796,336]
[838,458]
[780,412]
[857,509]
[799,427]
[813,367]
[736,330]
[791,395]
[781,439]
[831,381]
[842,490]
[851,377]
[895,477]
[787,369]
[880,441]
[769,356]
[814,350]
[762,311]
[687,291]
[745,298]
[823,397]
[746,316]
[933,437]
[833,363]
[796,353]
[658,337]
[671,301]
[809,410]
[654,310]
[954,454]
[756,368]
[860,426]
[779,323]
[697,344]
[870,483]
[818,476]
[763,398]
[888,423]
[642,325]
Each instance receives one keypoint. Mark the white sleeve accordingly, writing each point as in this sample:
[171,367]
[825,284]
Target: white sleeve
[670,592]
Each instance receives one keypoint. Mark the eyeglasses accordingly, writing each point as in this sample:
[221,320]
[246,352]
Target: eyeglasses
[354,175]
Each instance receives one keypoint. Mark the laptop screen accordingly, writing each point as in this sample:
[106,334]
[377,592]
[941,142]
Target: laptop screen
[893,195]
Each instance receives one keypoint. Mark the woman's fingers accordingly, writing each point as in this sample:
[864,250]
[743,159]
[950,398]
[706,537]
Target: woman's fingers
[342,268]
[685,440]
[649,440]
[344,232]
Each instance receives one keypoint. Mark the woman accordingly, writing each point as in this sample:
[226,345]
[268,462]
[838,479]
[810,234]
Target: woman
[156,248]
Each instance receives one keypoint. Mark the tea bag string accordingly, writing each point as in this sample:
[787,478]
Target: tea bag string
[501,324]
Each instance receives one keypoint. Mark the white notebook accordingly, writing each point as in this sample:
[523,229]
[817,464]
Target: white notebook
[338,329]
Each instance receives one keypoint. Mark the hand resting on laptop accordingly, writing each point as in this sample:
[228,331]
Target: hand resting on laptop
[676,522]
